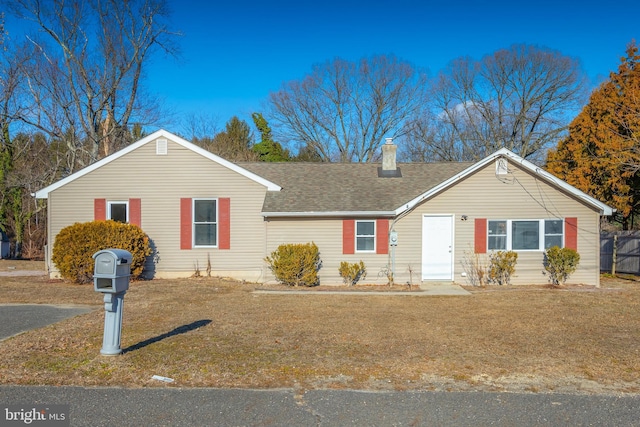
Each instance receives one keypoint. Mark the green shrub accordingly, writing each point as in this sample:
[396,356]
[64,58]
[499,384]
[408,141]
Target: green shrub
[75,245]
[295,264]
[352,273]
[502,265]
[560,264]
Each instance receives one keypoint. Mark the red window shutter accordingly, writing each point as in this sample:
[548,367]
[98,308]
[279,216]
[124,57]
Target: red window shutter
[185,223]
[224,226]
[348,236]
[382,236]
[571,233]
[480,236]
[135,212]
[100,209]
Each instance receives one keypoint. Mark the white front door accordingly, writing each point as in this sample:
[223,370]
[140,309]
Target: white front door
[437,247]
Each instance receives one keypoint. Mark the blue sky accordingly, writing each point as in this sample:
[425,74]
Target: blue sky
[234,53]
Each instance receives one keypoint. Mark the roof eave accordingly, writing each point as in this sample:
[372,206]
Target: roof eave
[603,208]
[44,192]
[503,152]
[331,214]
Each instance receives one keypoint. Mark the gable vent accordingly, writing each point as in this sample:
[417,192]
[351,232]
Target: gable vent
[502,167]
[161,147]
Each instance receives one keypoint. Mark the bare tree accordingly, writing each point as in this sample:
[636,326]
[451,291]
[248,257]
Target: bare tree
[343,110]
[199,126]
[521,98]
[85,69]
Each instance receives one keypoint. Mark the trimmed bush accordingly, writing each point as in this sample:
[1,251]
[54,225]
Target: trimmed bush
[75,245]
[296,264]
[560,264]
[502,265]
[352,273]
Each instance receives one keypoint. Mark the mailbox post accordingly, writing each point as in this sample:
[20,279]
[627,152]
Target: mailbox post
[111,276]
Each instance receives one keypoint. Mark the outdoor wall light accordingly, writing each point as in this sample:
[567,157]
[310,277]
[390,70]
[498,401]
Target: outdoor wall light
[463,217]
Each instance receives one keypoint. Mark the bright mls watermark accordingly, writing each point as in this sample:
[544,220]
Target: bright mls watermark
[40,415]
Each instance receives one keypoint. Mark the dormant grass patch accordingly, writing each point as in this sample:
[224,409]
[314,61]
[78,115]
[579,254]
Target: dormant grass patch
[210,332]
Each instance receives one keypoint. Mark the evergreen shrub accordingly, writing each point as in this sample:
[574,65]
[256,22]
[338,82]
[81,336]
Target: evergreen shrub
[502,265]
[560,264]
[352,273]
[75,245]
[296,264]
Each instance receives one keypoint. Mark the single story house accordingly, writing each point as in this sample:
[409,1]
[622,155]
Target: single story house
[424,221]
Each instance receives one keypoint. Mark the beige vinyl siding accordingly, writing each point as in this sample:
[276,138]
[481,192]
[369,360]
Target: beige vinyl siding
[518,195]
[160,181]
[327,235]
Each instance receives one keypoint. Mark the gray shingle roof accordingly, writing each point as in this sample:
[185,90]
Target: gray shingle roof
[347,187]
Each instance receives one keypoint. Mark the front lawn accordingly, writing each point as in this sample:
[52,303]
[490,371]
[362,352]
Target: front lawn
[209,332]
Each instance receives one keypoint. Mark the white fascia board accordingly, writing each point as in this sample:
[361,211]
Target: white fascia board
[332,214]
[503,152]
[437,189]
[602,207]
[44,192]
[226,163]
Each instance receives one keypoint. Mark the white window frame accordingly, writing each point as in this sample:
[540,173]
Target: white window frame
[562,235]
[194,223]
[118,202]
[506,234]
[370,251]
[542,237]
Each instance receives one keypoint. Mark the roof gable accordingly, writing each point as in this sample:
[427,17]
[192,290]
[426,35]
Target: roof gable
[532,168]
[44,192]
[354,189]
[330,189]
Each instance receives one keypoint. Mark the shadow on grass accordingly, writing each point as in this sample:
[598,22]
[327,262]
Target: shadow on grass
[177,331]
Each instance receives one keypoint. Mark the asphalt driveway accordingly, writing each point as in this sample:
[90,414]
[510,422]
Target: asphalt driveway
[18,318]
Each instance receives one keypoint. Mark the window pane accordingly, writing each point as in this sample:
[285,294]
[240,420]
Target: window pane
[525,235]
[365,243]
[550,241]
[118,212]
[497,243]
[498,228]
[497,235]
[204,211]
[553,226]
[205,234]
[365,228]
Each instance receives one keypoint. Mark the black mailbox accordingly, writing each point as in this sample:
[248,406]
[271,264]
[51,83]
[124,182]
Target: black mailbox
[112,270]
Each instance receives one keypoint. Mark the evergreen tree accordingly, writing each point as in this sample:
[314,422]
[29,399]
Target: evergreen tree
[267,149]
[235,142]
[601,154]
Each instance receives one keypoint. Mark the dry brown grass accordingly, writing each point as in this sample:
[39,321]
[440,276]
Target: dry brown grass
[12,265]
[216,333]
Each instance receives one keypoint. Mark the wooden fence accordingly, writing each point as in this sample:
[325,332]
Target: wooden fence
[627,253]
